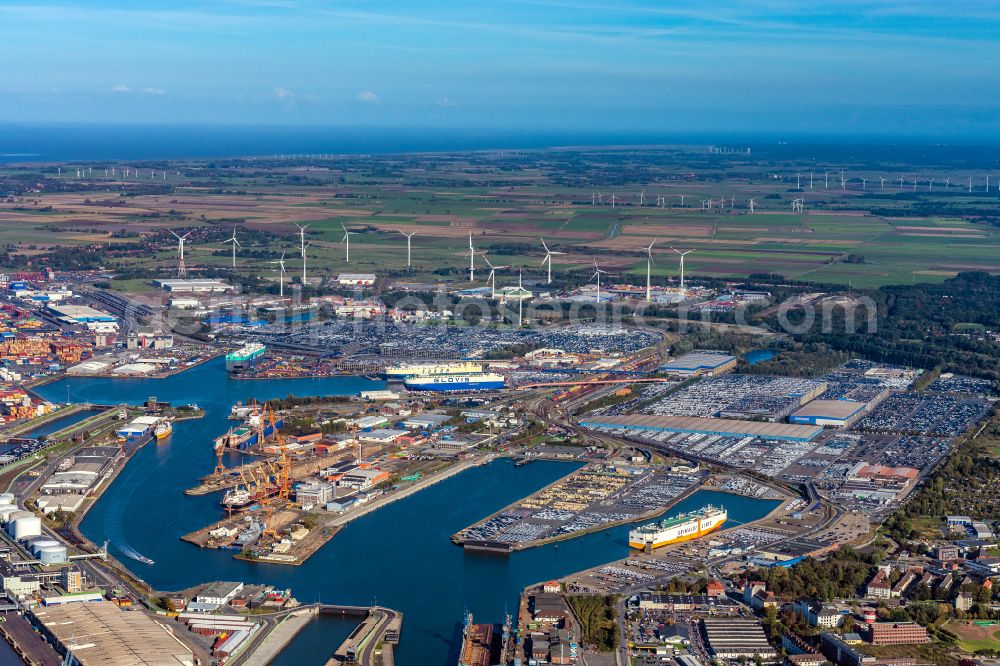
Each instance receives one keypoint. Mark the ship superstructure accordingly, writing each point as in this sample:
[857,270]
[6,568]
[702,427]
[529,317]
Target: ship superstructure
[404,370]
[465,382]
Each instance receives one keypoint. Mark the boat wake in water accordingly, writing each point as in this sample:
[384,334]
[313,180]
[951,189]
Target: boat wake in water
[113,528]
[133,553]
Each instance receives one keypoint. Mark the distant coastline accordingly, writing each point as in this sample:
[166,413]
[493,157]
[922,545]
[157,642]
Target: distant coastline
[66,142]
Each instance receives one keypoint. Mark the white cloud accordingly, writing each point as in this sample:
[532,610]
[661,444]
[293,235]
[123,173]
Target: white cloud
[121,87]
[368,97]
[153,91]
[283,93]
[444,101]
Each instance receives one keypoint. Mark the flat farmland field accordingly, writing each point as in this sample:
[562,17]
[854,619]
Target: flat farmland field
[850,235]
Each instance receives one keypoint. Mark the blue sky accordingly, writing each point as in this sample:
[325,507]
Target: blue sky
[874,66]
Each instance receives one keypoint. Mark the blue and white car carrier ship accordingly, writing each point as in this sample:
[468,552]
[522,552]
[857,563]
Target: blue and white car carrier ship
[480,381]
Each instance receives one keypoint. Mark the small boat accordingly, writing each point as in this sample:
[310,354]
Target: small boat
[163,430]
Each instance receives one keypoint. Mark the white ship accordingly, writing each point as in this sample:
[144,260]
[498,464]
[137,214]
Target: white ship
[404,370]
[681,527]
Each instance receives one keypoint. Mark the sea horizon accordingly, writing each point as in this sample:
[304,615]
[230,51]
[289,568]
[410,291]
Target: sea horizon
[75,142]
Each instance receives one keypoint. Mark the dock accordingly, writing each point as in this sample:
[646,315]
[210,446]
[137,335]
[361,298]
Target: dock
[279,637]
[212,484]
[375,636]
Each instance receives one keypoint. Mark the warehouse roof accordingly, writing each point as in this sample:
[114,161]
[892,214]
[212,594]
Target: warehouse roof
[80,313]
[831,409]
[100,633]
[700,359]
[707,426]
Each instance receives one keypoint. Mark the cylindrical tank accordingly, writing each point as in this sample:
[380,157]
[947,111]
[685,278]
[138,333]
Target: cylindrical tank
[5,512]
[27,526]
[52,554]
[7,498]
[38,543]
[14,516]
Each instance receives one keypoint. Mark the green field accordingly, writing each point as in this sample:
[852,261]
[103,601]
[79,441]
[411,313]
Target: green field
[864,239]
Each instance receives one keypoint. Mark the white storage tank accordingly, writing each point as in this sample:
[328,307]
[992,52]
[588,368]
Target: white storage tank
[7,498]
[26,526]
[6,511]
[52,554]
[14,516]
[41,542]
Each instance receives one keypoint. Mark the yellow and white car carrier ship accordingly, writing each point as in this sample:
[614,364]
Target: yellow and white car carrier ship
[682,527]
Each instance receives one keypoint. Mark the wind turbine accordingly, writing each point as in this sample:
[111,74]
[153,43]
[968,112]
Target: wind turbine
[614,199]
[970,183]
[181,269]
[826,180]
[900,182]
[520,299]
[864,184]
[548,259]
[235,243]
[882,183]
[302,239]
[600,198]
[302,250]
[281,275]
[408,237]
[930,185]
[843,181]
[347,244]
[682,254]
[642,198]
[593,198]
[798,181]
[472,260]
[752,203]
[597,274]
[492,279]
[682,200]
[810,180]
[649,270]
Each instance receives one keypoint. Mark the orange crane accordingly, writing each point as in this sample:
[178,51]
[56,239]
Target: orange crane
[282,480]
[220,469]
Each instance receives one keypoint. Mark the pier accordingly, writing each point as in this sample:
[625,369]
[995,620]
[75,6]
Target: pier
[376,635]
[279,637]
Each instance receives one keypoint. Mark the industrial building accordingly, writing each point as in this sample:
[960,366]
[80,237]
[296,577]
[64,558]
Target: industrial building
[686,602]
[732,638]
[149,340]
[356,279]
[426,421]
[193,286]
[381,435]
[80,314]
[706,426]
[98,632]
[700,362]
[219,593]
[834,413]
